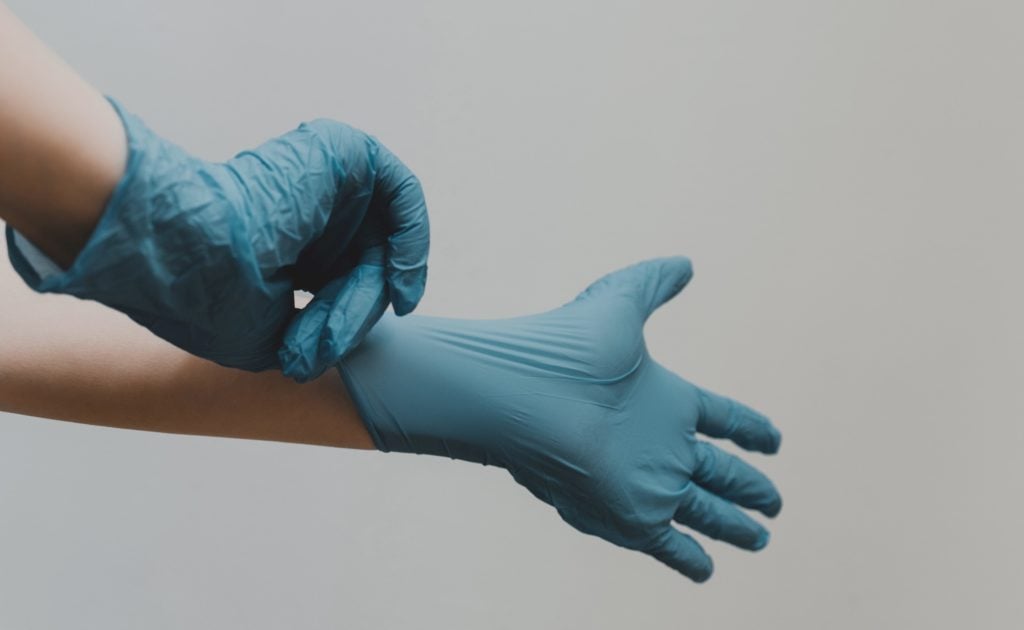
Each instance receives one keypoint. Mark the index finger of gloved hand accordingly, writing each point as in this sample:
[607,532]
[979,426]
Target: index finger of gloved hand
[409,231]
[722,417]
[719,519]
[732,478]
[357,308]
[682,553]
[334,322]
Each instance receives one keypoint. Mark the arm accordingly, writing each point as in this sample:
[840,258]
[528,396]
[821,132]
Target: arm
[204,254]
[63,147]
[103,369]
[568,401]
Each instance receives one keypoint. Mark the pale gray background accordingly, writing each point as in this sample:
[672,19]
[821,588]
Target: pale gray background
[847,177]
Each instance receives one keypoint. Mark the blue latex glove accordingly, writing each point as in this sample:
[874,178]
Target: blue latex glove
[207,255]
[573,406]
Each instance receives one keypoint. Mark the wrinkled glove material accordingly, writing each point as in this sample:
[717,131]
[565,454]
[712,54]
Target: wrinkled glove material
[208,255]
[571,403]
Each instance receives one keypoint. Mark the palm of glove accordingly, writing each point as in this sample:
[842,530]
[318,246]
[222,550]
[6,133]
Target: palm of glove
[572,404]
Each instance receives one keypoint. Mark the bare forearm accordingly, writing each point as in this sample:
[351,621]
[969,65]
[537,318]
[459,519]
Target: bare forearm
[63,147]
[162,389]
[72,360]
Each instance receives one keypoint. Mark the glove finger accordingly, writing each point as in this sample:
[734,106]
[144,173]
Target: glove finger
[299,349]
[355,311]
[409,236]
[335,321]
[719,519]
[735,480]
[722,417]
[682,553]
[650,283]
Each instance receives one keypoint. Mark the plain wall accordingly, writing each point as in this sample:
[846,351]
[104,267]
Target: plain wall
[848,178]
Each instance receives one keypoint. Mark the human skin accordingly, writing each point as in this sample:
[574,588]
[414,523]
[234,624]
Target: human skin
[568,401]
[103,369]
[205,254]
[63,153]
[64,148]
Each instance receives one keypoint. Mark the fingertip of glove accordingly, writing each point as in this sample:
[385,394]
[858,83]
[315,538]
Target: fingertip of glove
[683,267]
[404,306]
[702,574]
[406,290]
[295,365]
[299,376]
[762,540]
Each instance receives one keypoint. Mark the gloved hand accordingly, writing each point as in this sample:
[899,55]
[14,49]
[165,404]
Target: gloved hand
[207,255]
[573,406]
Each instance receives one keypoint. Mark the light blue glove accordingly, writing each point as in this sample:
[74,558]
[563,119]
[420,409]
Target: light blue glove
[207,255]
[573,406]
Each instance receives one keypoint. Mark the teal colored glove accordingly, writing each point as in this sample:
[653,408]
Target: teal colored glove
[573,406]
[207,255]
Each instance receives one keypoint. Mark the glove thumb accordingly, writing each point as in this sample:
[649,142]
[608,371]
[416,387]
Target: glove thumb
[649,284]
